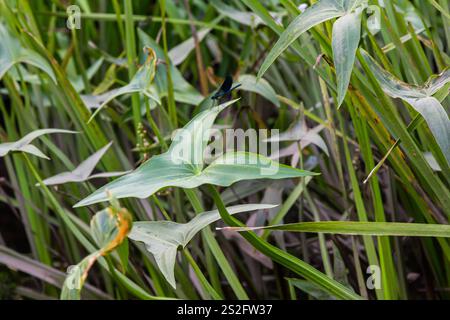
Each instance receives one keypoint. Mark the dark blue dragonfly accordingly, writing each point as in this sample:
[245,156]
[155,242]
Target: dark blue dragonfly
[225,88]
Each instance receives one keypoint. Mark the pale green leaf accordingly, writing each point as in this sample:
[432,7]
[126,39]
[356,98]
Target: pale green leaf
[23,145]
[109,228]
[179,53]
[183,168]
[162,238]
[237,166]
[103,228]
[29,148]
[437,119]
[374,20]
[345,40]
[390,84]
[420,98]
[300,132]
[76,277]
[438,82]
[432,161]
[319,12]
[84,171]
[12,52]
[262,87]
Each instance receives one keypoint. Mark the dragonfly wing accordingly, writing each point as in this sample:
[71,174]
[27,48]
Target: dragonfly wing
[224,88]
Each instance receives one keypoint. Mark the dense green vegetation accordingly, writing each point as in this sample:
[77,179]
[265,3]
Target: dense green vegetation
[109,188]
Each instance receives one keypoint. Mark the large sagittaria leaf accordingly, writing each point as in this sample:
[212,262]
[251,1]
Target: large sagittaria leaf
[24,144]
[84,171]
[421,98]
[12,52]
[345,37]
[183,165]
[162,238]
[109,228]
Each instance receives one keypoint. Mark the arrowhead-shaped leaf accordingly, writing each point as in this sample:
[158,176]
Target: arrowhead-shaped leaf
[12,52]
[420,98]
[23,145]
[162,238]
[182,165]
[300,132]
[84,171]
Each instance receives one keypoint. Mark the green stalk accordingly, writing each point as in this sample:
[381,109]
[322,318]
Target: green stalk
[170,94]
[204,282]
[388,272]
[287,205]
[79,61]
[322,241]
[283,258]
[119,18]
[213,245]
[34,227]
[201,277]
[131,57]
[114,17]
[360,209]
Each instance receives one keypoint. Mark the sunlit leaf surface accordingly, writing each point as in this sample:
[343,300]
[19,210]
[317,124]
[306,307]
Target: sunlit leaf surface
[184,167]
